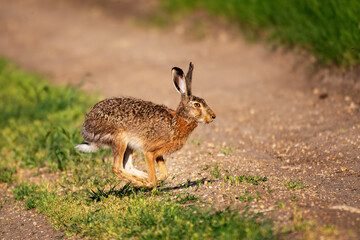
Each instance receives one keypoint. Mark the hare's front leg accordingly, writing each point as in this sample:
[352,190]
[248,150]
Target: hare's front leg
[150,162]
[162,167]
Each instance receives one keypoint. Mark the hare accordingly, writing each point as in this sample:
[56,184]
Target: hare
[127,123]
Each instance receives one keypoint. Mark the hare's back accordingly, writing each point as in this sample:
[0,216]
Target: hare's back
[128,113]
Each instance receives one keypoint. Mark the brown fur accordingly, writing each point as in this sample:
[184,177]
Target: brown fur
[127,123]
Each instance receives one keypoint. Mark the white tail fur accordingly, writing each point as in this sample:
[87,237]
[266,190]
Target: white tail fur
[87,147]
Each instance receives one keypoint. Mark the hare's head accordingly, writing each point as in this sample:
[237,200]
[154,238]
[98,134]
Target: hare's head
[190,106]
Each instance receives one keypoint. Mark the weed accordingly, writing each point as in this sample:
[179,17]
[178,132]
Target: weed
[186,198]
[255,180]
[190,183]
[248,198]
[293,198]
[280,205]
[226,150]
[215,171]
[99,193]
[199,182]
[196,142]
[294,184]
[268,189]
[207,166]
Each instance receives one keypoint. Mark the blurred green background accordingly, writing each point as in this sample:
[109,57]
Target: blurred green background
[330,29]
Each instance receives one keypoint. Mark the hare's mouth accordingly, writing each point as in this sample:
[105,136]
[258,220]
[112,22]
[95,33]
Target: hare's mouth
[207,119]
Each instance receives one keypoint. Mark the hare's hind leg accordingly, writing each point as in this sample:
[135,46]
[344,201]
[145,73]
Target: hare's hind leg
[128,164]
[162,167]
[119,151]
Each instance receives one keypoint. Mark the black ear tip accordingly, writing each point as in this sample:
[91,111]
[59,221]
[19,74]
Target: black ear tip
[191,65]
[177,70]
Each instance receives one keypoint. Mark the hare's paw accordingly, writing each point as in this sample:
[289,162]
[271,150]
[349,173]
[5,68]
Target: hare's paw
[143,184]
[163,177]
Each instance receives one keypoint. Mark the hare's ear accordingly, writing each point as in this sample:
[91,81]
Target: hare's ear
[188,78]
[179,80]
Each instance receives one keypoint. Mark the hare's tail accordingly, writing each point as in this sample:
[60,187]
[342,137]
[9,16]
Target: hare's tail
[87,147]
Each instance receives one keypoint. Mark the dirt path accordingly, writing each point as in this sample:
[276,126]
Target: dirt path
[272,119]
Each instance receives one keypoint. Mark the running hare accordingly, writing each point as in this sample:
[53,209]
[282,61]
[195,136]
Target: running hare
[128,123]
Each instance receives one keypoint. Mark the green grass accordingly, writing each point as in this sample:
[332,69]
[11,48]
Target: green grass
[7,174]
[136,213]
[40,125]
[327,28]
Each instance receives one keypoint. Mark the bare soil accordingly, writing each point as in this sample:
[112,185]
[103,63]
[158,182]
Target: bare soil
[278,115]
[18,223]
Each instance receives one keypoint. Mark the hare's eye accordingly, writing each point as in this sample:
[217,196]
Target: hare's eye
[197,105]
